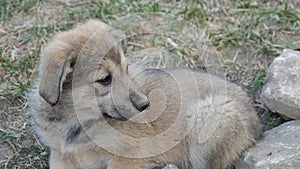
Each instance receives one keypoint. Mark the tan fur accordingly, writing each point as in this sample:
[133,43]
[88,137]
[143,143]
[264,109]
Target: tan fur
[215,121]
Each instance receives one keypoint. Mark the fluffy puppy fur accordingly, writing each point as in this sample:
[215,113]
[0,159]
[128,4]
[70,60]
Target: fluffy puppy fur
[94,111]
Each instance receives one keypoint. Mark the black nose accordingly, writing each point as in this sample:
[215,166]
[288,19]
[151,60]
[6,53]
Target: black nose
[142,106]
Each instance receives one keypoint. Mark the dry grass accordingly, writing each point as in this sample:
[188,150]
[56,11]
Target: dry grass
[235,39]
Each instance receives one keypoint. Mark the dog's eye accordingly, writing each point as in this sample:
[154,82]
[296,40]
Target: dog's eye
[105,81]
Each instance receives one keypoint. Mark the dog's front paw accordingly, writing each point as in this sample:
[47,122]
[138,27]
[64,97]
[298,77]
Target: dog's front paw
[169,166]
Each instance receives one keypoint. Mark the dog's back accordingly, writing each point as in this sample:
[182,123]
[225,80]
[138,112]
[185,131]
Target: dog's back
[221,121]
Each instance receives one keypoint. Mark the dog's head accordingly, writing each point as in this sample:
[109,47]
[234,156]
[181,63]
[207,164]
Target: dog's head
[91,57]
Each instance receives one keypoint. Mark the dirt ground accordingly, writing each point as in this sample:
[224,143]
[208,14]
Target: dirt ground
[233,39]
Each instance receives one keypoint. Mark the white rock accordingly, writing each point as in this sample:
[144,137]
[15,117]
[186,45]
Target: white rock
[279,149]
[281,91]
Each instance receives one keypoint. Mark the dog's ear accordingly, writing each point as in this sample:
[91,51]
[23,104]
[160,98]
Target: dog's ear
[120,37]
[55,67]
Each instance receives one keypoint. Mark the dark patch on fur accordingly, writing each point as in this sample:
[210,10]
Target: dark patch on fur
[73,133]
[76,134]
[53,119]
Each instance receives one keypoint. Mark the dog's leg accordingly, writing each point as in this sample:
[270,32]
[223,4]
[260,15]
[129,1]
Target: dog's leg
[59,161]
[126,163]
[169,166]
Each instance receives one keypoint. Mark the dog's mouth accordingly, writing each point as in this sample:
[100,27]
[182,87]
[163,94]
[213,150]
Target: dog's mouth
[119,117]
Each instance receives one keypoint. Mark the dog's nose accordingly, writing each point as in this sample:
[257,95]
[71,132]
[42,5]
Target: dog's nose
[138,99]
[142,106]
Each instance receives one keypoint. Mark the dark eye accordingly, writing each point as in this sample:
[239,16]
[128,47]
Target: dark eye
[105,81]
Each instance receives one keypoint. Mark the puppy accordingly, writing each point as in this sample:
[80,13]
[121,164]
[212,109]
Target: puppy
[94,111]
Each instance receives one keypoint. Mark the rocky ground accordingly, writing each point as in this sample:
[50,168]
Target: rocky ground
[234,39]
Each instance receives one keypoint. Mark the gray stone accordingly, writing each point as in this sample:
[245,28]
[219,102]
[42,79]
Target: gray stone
[278,149]
[5,153]
[281,91]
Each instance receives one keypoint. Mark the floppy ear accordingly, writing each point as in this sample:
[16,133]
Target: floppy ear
[54,70]
[120,37]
